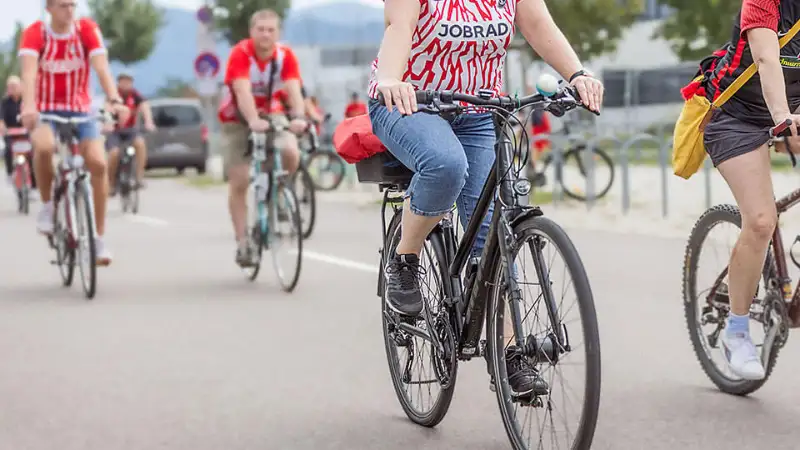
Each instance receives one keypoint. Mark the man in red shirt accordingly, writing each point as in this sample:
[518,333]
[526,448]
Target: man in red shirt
[260,72]
[355,108]
[55,59]
[124,133]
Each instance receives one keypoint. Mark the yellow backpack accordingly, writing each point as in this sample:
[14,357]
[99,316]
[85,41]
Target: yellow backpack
[688,151]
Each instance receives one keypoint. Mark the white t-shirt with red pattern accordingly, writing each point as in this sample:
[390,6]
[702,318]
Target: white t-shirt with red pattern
[62,82]
[459,45]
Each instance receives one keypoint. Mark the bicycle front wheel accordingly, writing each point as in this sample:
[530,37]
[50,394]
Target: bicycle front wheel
[553,342]
[307,200]
[285,236]
[87,252]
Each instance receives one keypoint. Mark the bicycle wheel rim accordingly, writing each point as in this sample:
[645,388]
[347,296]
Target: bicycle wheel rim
[601,161]
[285,237]
[87,252]
[255,239]
[579,437]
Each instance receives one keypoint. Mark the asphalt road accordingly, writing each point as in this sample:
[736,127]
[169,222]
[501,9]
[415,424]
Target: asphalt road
[179,351]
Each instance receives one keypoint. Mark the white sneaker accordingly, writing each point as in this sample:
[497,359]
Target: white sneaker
[742,356]
[44,221]
[102,252]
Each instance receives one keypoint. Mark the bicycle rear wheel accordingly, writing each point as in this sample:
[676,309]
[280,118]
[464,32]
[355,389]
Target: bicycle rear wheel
[603,168]
[407,354]
[22,181]
[328,169]
[87,252]
[307,200]
[285,236]
[549,347]
[706,322]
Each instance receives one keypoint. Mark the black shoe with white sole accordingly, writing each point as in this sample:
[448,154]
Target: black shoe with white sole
[402,285]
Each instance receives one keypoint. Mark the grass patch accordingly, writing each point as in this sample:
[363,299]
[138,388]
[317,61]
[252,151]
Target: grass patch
[202,181]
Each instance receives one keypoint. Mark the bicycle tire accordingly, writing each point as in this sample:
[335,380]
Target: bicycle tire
[335,165]
[288,284]
[133,191]
[83,211]
[496,342]
[576,153]
[65,253]
[309,196]
[256,237]
[441,406]
[23,193]
[707,221]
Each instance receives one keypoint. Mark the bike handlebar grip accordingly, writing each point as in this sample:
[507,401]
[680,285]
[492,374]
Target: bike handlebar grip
[782,129]
[423,97]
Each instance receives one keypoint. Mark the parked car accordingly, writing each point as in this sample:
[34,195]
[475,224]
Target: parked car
[181,137]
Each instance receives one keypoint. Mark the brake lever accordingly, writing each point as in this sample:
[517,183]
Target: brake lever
[782,131]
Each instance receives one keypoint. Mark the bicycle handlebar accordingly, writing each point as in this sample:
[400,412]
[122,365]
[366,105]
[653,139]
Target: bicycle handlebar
[565,99]
[780,131]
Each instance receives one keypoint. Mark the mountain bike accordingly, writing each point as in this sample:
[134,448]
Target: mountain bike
[774,306]
[575,157]
[127,180]
[74,222]
[465,292]
[21,175]
[273,209]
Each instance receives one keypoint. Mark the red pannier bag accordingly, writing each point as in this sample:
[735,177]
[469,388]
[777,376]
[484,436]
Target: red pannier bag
[354,140]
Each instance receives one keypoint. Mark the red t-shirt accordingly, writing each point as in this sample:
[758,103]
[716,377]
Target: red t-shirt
[243,64]
[132,100]
[355,109]
[62,82]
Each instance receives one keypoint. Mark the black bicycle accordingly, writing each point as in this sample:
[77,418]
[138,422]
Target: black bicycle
[460,293]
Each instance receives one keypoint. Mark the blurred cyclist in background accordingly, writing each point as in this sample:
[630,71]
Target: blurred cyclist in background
[259,71]
[9,118]
[56,59]
[128,132]
[356,107]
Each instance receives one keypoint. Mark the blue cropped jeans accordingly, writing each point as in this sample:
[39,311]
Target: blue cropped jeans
[451,160]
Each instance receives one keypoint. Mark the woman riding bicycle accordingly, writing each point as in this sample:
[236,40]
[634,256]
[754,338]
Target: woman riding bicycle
[456,45]
[736,139]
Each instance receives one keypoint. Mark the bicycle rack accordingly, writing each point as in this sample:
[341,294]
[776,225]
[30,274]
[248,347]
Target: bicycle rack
[588,161]
[623,153]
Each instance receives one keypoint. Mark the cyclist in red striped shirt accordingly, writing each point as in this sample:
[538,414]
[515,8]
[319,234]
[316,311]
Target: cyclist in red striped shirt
[55,59]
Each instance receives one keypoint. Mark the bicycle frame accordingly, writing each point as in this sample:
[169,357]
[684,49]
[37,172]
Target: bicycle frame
[470,302]
[70,172]
[261,152]
[783,279]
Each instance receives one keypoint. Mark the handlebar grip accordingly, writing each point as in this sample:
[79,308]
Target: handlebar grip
[423,97]
[571,90]
[782,129]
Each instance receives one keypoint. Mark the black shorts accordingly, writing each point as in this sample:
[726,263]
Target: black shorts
[118,138]
[727,137]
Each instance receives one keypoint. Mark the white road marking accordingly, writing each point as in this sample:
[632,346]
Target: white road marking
[319,257]
[154,221]
[341,262]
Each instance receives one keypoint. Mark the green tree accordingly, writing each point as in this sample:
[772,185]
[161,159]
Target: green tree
[593,27]
[129,27]
[698,27]
[175,87]
[233,16]
[8,59]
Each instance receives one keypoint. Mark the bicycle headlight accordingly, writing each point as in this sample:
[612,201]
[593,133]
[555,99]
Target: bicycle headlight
[522,186]
[130,151]
[20,159]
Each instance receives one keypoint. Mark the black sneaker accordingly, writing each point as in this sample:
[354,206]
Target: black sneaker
[522,377]
[402,285]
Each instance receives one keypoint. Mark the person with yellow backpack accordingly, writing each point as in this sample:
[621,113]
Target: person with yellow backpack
[741,91]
